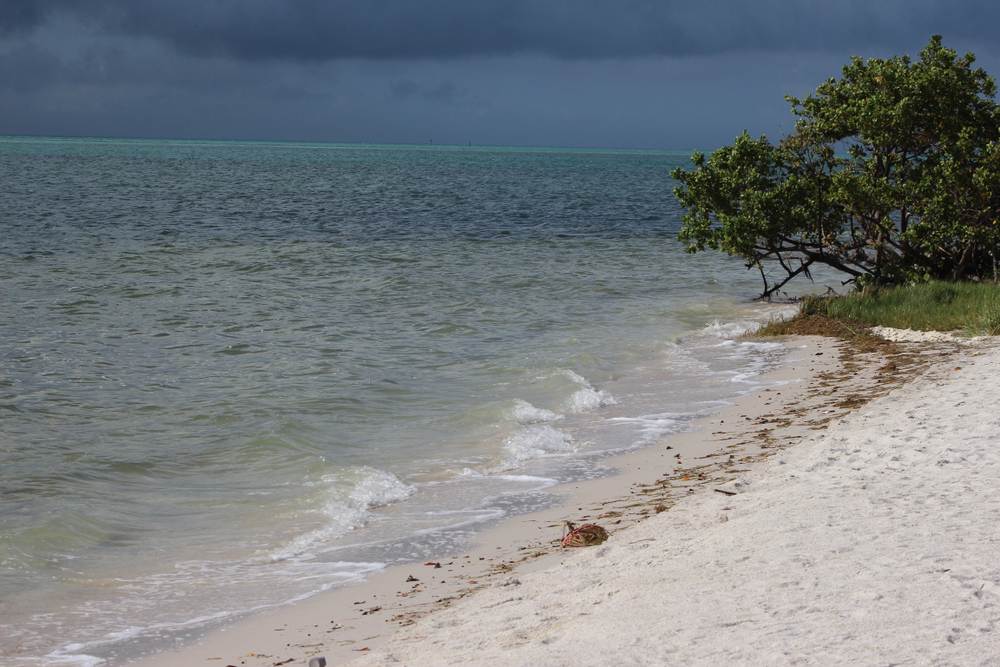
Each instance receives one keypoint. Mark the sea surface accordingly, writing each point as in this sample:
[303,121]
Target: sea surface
[236,374]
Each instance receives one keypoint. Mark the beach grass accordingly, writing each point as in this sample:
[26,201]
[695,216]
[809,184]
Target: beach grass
[971,309]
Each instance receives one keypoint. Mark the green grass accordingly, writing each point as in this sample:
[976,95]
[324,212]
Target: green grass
[972,308]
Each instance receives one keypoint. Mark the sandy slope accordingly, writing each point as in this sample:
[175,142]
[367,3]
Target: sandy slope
[875,542]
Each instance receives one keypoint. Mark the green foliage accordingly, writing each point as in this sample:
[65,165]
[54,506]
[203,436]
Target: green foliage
[931,306]
[987,323]
[892,176]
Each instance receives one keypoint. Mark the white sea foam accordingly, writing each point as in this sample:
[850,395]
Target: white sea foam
[524,412]
[760,316]
[533,442]
[127,633]
[347,508]
[586,398]
[731,329]
[576,377]
[589,399]
[761,346]
[650,428]
[469,472]
[470,518]
[545,481]
[62,657]
[757,355]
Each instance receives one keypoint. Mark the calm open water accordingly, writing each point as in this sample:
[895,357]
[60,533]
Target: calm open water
[233,374]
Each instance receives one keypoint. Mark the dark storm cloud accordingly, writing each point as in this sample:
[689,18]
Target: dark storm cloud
[317,30]
[631,73]
[17,15]
[27,68]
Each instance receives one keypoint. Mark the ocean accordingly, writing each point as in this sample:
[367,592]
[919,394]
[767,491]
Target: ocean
[236,374]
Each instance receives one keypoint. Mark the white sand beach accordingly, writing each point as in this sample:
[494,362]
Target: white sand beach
[864,537]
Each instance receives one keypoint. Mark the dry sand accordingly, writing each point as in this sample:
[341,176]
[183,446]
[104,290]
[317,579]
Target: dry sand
[849,532]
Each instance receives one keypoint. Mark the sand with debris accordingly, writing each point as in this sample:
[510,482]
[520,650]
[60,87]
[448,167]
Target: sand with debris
[875,541]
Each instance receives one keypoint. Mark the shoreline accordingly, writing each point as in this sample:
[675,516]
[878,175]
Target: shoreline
[350,621]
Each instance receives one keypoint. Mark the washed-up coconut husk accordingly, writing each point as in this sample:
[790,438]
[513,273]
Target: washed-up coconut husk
[586,535]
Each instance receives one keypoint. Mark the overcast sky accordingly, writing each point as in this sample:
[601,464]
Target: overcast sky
[588,73]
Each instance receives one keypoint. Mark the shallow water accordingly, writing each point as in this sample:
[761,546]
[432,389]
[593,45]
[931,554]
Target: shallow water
[234,374]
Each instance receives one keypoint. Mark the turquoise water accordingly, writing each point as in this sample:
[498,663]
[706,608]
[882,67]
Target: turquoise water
[233,374]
